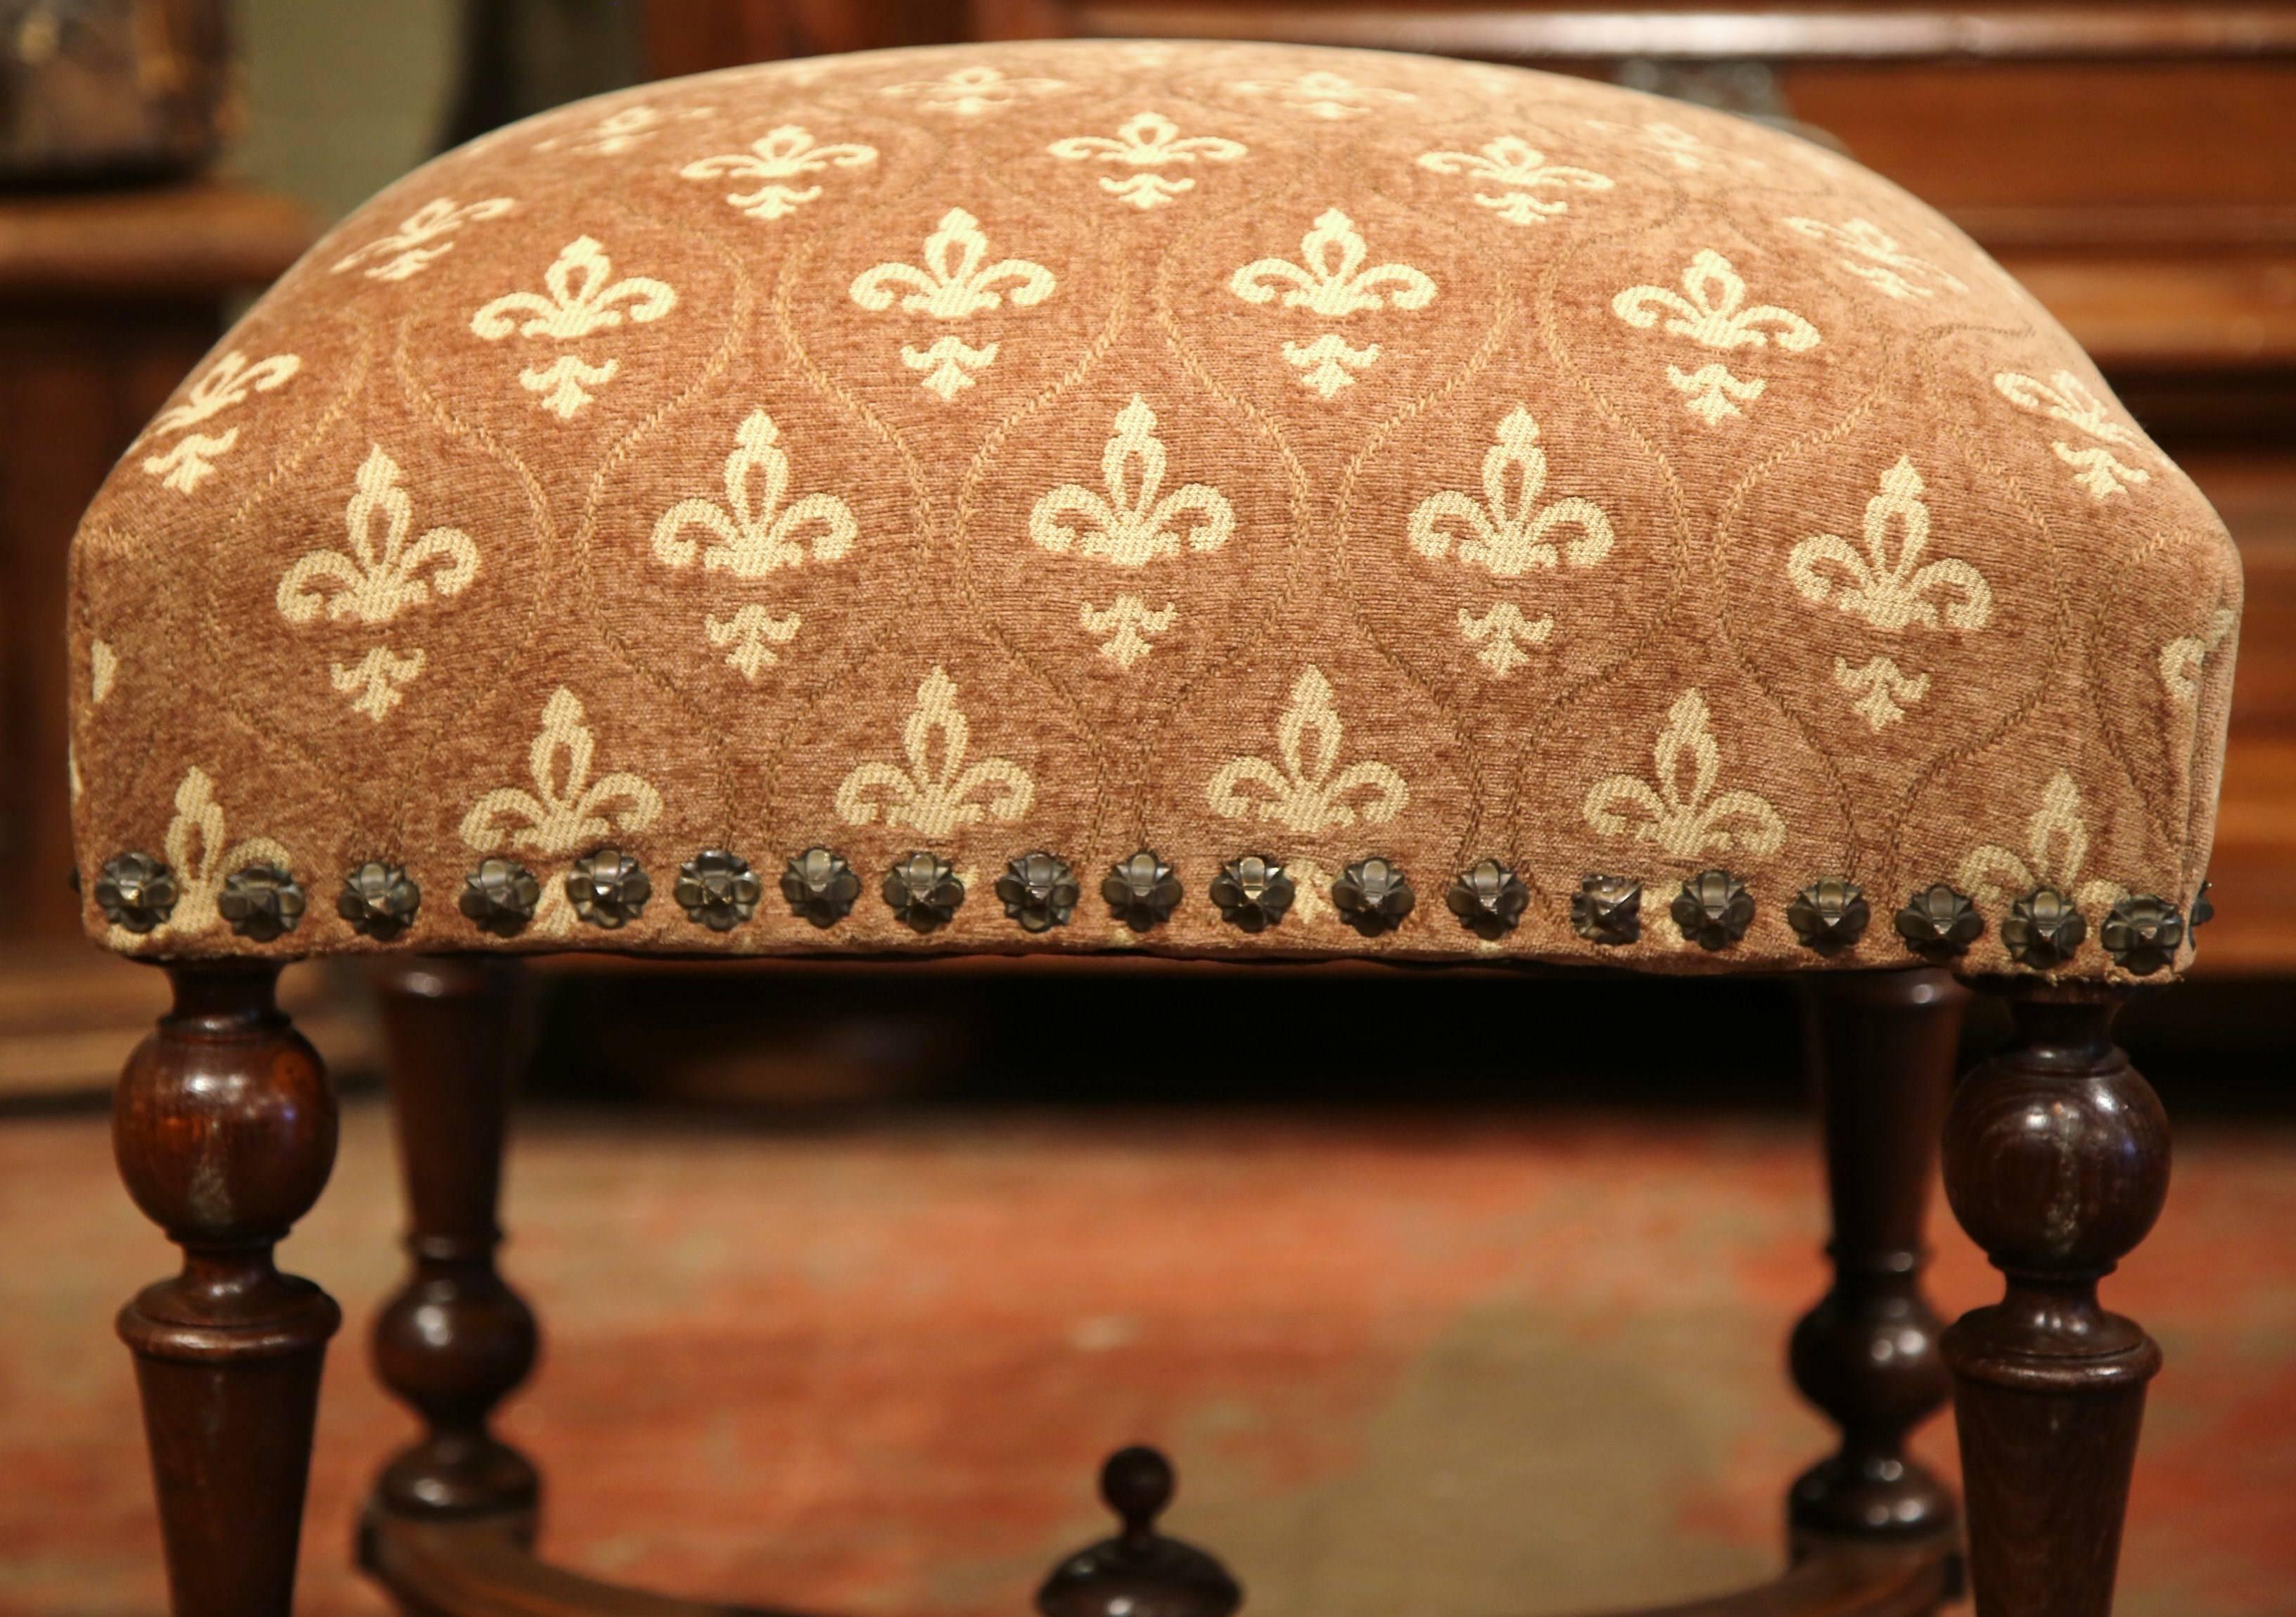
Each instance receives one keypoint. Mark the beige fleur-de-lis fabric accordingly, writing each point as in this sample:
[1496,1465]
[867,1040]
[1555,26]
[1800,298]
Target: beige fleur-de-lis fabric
[1215,448]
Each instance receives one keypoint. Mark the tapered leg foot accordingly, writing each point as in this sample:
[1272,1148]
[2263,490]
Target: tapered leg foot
[224,1126]
[455,1340]
[2057,1160]
[1882,1050]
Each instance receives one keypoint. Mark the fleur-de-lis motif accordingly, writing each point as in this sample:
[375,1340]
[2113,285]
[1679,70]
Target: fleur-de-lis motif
[970,92]
[933,797]
[567,810]
[573,311]
[1676,143]
[1308,792]
[224,384]
[1506,535]
[575,308]
[2181,659]
[2098,471]
[1144,142]
[1332,290]
[1714,315]
[1684,816]
[1878,259]
[754,534]
[752,631]
[1891,596]
[956,284]
[783,155]
[1323,93]
[564,384]
[198,854]
[2056,848]
[421,239]
[372,584]
[619,132]
[1680,147]
[1330,363]
[372,683]
[1711,392]
[1880,686]
[2066,398]
[1131,526]
[1517,169]
[949,363]
[1686,150]
[1127,629]
[1503,632]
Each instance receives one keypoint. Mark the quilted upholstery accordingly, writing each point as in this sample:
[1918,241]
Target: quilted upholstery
[1083,447]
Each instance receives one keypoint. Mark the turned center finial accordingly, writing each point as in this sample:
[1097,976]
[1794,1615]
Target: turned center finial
[1139,1572]
[1137,1482]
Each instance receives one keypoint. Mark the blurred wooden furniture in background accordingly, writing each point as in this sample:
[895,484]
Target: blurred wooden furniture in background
[106,298]
[2129,163]
[112,87]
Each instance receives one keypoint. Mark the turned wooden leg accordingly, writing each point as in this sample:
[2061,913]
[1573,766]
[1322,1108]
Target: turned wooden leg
[2056,1162]
[224,1126]
[1882,1050]
[455,1340]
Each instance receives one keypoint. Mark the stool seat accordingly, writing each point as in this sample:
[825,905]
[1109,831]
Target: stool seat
[1214,499]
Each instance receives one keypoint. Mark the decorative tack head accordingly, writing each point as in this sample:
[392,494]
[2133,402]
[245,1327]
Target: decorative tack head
[2203,911]
[2142,934]
[261,902]
[136,891]
[820,886]
[1139,1572]
[1373,896]
[2043,929]
[1938,923]
[1488,899]
[1713,909]
[1830,914]
[1607,910]
[607,889]
[1038,891]
[379,900]
[501,896]
[1253,892]
[922,890]
[718,888]
[1141,891]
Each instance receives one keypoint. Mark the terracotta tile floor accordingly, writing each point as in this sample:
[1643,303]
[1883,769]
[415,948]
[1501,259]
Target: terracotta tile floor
[1441,1363]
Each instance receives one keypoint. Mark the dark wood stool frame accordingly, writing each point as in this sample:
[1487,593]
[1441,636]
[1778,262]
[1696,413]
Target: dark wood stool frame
[2056,1162]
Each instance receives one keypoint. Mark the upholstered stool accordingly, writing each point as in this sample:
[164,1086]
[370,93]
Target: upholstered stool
[1205,500]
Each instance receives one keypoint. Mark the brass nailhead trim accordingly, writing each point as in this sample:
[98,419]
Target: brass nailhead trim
[1141,890]
[1373,896]
[261,902]
[1713,909]
[922,890]
[820,886]
[1038,891]
[380,901]
[1253,892]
